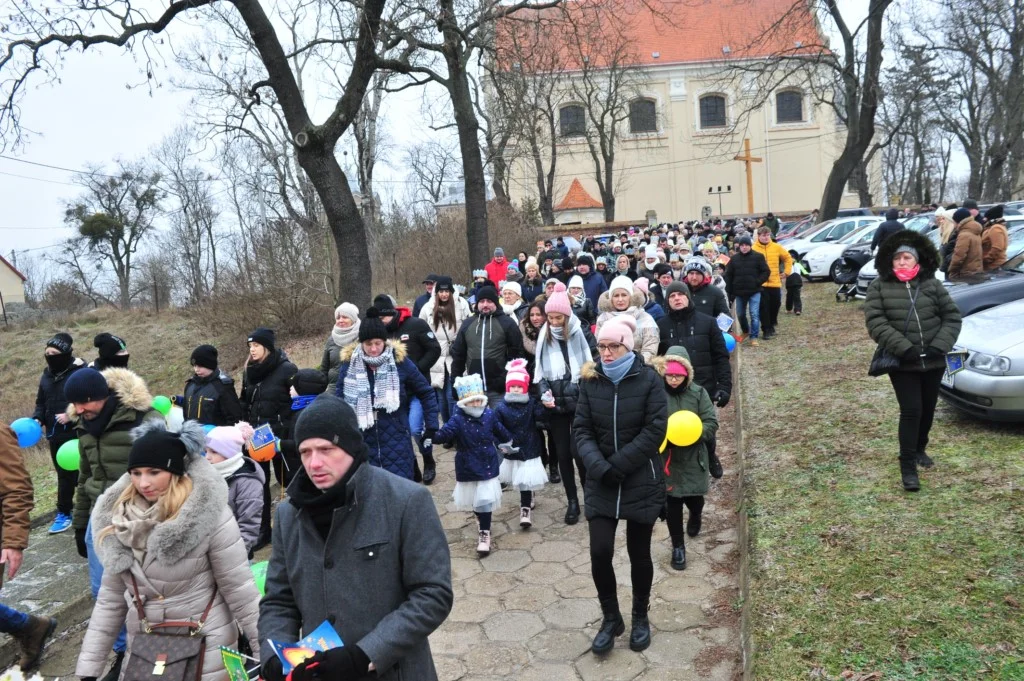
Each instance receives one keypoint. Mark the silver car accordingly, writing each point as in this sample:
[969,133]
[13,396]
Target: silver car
[991,385]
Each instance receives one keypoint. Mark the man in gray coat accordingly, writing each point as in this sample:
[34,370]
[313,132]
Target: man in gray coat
[360,548]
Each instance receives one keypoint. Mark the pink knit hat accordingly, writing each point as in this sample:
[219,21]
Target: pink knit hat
[228,440]
[618,329]
[643,284]
[558,302]
[516,374]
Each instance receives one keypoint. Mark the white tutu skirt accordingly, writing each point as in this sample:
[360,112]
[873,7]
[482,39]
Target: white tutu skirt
[524,476]
[483,496]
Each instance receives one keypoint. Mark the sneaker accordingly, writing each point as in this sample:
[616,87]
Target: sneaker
[797,313]
[525,518]
[754,342]
[60,524]
[483,545]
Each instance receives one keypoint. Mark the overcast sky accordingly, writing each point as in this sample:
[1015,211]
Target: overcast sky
[91,117]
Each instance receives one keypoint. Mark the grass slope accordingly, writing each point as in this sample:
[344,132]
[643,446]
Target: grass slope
[851,575]
[159,344]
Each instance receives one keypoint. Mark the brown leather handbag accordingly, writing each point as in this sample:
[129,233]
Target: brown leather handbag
[160,656]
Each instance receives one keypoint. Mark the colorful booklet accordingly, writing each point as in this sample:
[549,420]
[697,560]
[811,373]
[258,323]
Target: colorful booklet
[292,655]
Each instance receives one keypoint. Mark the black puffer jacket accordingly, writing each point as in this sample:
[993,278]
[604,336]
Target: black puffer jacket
[700,335]
[265,396]
[934,319]
[745,274]
[421,345]
[484,345]
[710,300]
[622,426]
[50,402]
[211,400]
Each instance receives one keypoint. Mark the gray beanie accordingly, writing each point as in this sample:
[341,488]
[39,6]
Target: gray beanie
[332,419]
[907,249]
[677,287]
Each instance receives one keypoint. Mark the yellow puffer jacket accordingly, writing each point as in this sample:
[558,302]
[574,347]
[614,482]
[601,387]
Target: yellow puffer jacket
[774,254]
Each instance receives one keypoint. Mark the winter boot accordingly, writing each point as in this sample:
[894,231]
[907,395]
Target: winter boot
[115,670]
[715,467]
[417,476]
[611,626]
[693,524]
[429,468]
[924,461]
[483,546]
[553,475]
[572,513]
[32,639]
[640,631]
[908,472]
[679,557]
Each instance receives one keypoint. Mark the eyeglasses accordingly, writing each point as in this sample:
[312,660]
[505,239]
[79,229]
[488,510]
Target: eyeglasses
[608,347]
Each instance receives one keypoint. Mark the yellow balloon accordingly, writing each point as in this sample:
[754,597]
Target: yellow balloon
[684,428]
[664,444]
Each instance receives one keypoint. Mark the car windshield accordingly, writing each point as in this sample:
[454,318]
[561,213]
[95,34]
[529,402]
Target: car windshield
[918,223]
[859,236]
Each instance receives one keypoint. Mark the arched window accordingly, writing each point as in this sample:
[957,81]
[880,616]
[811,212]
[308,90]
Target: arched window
[571,121]
[789,107]
[712,111]
[642,116]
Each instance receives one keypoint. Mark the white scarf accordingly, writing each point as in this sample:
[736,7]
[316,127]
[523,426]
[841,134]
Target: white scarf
[229,467]
[343,337]
[510,309]
[551,363]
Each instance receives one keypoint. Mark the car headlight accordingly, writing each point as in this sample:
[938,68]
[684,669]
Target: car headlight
[989,364]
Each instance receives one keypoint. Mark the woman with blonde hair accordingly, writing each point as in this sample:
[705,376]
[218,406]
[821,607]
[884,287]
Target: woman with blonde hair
[944,222]
[344,332]
[171,550]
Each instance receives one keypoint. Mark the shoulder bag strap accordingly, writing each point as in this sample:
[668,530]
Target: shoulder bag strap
[148,628]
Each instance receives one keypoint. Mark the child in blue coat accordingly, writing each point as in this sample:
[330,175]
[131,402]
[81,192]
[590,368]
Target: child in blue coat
[519,413]
[475,430]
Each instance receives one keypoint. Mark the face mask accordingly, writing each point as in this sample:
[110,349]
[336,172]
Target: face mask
[59,363]
[907,275]
[117,361]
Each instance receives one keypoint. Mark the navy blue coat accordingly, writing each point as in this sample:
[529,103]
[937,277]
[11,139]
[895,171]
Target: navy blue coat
[520,419]
[476,448]
[593,285]
[389,440]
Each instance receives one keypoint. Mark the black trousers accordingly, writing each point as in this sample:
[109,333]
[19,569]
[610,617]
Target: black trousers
[917,392]
[563,450]
[284,476]
[602,550]
[793,303]
[771,303]
[674,515]
[67,481]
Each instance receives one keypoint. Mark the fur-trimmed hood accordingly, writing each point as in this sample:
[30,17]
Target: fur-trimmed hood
[129,387]
[928,256]
[397,346]
[171,540]
[658,363]
[637,300]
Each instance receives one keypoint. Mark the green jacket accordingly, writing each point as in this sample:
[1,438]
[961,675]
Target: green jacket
[686,468]
[932,321]
[105,459]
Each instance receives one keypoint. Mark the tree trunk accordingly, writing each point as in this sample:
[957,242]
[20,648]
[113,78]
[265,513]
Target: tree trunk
[863,187]
[345,222]
[844,166]
[472,164]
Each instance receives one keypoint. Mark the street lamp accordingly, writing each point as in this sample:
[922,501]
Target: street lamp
[712,192]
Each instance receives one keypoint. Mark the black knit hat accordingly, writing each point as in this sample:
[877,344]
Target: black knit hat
[308,382]
[585,259]
[108,345]
[330,418]
[372,327]
[86,385]
[444,284]
[661,268]
[204,356]
[740,240]
[994,213]
[488,293]
[61,341]
[385,305]
[566,264]
[160,449]
[960,215]
[264,337]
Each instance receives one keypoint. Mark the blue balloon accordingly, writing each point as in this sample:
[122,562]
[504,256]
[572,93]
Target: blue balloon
[208,427]
[730,342]
[28,430]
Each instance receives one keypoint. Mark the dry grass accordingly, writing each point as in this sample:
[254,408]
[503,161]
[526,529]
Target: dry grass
[160,345]
[849,573]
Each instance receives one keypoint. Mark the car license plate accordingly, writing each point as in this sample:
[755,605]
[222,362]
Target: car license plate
[947,379]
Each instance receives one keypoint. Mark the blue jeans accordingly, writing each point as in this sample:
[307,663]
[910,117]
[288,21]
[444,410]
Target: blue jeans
[754,303]
[445,401]
[95,578]
[11,621]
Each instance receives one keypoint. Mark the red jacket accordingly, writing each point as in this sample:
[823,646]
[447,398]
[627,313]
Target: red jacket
[497,271]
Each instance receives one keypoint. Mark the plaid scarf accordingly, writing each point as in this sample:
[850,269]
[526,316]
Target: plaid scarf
[385,394]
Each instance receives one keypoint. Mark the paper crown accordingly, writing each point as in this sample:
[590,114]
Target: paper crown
[469,386]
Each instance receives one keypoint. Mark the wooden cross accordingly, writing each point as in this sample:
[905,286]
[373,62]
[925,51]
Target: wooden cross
[747,160]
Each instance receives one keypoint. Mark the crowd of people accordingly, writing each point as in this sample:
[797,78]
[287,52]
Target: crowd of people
[557,368]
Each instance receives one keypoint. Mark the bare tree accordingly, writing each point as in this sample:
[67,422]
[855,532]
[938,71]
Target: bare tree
[83,275]
[433,167]
[41,34]
[115,215]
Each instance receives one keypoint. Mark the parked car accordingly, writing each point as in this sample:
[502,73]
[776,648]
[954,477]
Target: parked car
[991,385]
[1008,209]
[797,228]
[823,260]
[830,231]
[853,212]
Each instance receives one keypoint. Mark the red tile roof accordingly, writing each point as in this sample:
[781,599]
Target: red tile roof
[678,31]
[577,198]
[13,268]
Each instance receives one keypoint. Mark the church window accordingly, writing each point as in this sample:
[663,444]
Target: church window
[642,116]
[712,111]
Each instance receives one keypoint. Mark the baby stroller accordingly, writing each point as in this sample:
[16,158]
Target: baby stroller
[846,274]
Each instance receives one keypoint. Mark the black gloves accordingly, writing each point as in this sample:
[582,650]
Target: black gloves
[932,352]
[911,354]
[80,542]
[272,670]
[613,477]
[347,663]
[721,398]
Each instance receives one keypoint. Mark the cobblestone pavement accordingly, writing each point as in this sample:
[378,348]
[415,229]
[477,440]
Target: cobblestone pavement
[529,610]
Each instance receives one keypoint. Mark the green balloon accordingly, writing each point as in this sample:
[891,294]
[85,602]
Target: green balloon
[162,404]
[259,573]
[68,456]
